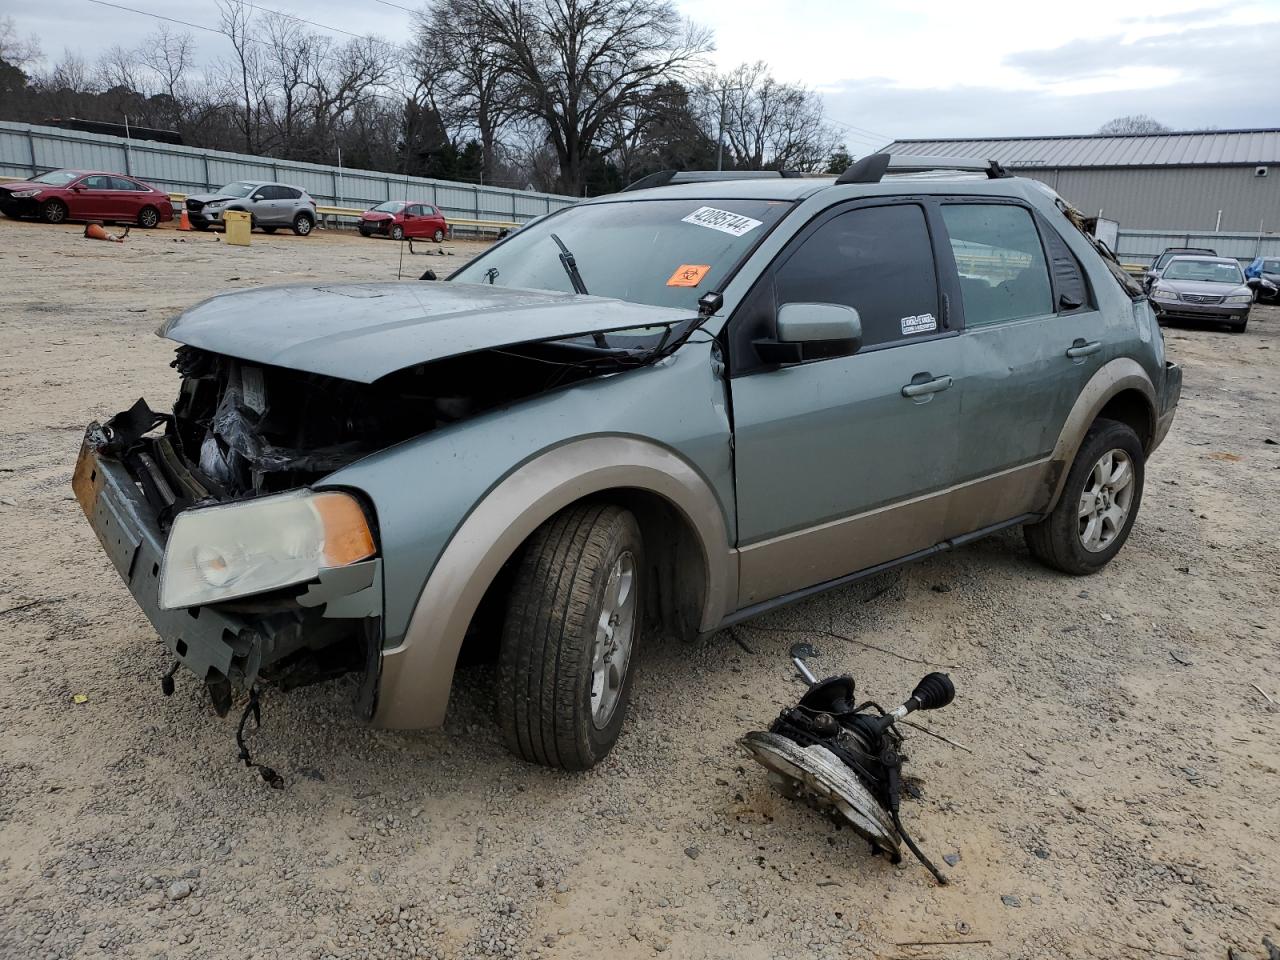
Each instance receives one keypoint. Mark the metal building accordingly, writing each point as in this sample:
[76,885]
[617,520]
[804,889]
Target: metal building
[1217,181]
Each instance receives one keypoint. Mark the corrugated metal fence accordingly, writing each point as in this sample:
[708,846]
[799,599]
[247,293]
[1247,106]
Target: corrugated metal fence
[1139,246]
[27,150]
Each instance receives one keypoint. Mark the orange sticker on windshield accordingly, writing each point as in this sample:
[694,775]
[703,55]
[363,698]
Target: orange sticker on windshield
[688,275]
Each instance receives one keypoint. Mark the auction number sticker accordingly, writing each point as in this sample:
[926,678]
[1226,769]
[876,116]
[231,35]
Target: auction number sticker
[920,323]
[726,221]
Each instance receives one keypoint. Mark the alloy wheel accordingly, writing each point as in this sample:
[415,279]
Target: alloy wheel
[1106,500]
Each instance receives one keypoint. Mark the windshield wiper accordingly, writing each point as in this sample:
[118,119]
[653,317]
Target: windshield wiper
[570,267]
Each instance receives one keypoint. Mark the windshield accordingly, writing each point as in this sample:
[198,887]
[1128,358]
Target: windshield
[1170,254]
[56,178]
[238,189]
[1271,266]
[1208,271]
[391,206]
[666,253]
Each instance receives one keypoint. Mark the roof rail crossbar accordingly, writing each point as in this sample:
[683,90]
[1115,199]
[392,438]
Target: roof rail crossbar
[664,177]
[872,168]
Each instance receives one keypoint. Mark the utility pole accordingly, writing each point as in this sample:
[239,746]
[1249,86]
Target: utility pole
[724,96]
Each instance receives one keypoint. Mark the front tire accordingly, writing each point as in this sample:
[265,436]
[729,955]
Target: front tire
[269,229]
[1240,326]
[397,232]
[574,619]
[53,211]
[1099,503]
[302,225]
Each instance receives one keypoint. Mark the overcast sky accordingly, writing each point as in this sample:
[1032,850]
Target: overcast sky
[921,69]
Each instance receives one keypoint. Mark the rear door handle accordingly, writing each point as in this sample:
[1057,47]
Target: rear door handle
[1083,348]
[923,384]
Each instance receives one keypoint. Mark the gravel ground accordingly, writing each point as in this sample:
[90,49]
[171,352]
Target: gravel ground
[1117,797]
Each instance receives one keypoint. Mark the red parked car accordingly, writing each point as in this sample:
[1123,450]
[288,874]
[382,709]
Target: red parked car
[398,219]
[62,195]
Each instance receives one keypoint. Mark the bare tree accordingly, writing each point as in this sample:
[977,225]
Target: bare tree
[579,62]
[770,125]
[169,56]
[244,75]
[1134,124]
[457,55]
[14,50]
[119,68]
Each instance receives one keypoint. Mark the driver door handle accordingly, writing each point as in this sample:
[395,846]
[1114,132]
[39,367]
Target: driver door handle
[1083,348]
[923,384]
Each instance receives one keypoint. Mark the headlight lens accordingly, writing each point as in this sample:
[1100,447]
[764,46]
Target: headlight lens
[1164,293]
[1239,298]
[24,194]
[239,549]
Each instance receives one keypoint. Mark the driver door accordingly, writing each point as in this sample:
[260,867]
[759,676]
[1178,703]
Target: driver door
[839,462]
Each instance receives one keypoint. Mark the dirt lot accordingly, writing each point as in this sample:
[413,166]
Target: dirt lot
[1118,797]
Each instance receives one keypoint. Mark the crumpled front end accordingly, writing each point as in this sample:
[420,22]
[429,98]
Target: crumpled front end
[131,479]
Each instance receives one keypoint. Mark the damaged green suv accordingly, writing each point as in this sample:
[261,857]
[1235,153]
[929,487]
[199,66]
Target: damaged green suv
[666,410]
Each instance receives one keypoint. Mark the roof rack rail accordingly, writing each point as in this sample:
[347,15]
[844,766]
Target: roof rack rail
[664,177]
[872,168]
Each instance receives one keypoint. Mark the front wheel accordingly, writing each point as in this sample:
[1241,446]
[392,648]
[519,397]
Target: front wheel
[397,232]
[269,229]
[1098,505]
[302,224]
[53,211]
[573,622]
[1240,326]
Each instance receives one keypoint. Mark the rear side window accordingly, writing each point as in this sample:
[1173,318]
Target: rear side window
[1003,274]
[1069,284]
[877,260]
[120,183]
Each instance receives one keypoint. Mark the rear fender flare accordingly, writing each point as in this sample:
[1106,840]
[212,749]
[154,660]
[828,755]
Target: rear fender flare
[416,676]
[1111,380]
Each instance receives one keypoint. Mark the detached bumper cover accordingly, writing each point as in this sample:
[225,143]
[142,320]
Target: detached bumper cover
[224,649]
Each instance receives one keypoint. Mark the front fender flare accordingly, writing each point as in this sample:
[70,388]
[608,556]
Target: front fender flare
[417,675]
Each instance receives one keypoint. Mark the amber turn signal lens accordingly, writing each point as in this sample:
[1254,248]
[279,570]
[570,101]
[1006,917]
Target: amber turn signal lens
[347,537]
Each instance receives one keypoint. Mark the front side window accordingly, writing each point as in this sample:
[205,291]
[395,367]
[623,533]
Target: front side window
[1208,271]
[1003,275]
[97,183]
[666,252]
[877,260]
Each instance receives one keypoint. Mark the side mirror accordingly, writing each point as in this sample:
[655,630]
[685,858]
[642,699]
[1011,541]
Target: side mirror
[257,196]
[812,331]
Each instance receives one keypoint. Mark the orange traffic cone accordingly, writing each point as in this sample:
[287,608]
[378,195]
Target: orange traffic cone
[184,222]
[95,231]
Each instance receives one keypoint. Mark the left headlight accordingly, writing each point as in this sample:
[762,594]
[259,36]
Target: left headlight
[24,194]
[1239,298]
[1164,293]
[238,549]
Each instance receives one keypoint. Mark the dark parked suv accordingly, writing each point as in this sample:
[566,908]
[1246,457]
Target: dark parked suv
[670,409]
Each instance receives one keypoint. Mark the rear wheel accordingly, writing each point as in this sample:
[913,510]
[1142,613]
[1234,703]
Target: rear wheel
[53,211]
[397,232]
[148,218]
[573,620]
[1099,503]
[302,224]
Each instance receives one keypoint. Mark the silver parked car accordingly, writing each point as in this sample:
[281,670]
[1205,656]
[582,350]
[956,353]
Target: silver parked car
[1204,288]
[665,410]
[271,205]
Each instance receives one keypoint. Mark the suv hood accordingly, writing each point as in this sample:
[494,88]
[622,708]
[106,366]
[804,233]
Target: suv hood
[364,332]
[209,197]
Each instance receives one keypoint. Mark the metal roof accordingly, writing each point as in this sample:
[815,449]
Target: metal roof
[1210,148]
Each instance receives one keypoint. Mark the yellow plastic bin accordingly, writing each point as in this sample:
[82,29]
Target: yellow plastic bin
[237,222]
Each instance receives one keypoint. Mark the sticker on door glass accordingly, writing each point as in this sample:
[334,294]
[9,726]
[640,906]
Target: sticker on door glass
[688,275]
[920,323]
[726,221]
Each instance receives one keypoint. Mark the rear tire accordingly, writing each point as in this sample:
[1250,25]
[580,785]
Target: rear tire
[1099,503]
[148,218]
[573,623]
[302,224]
[53,211]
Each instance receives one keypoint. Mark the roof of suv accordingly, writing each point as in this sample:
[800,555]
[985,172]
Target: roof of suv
[794,188]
